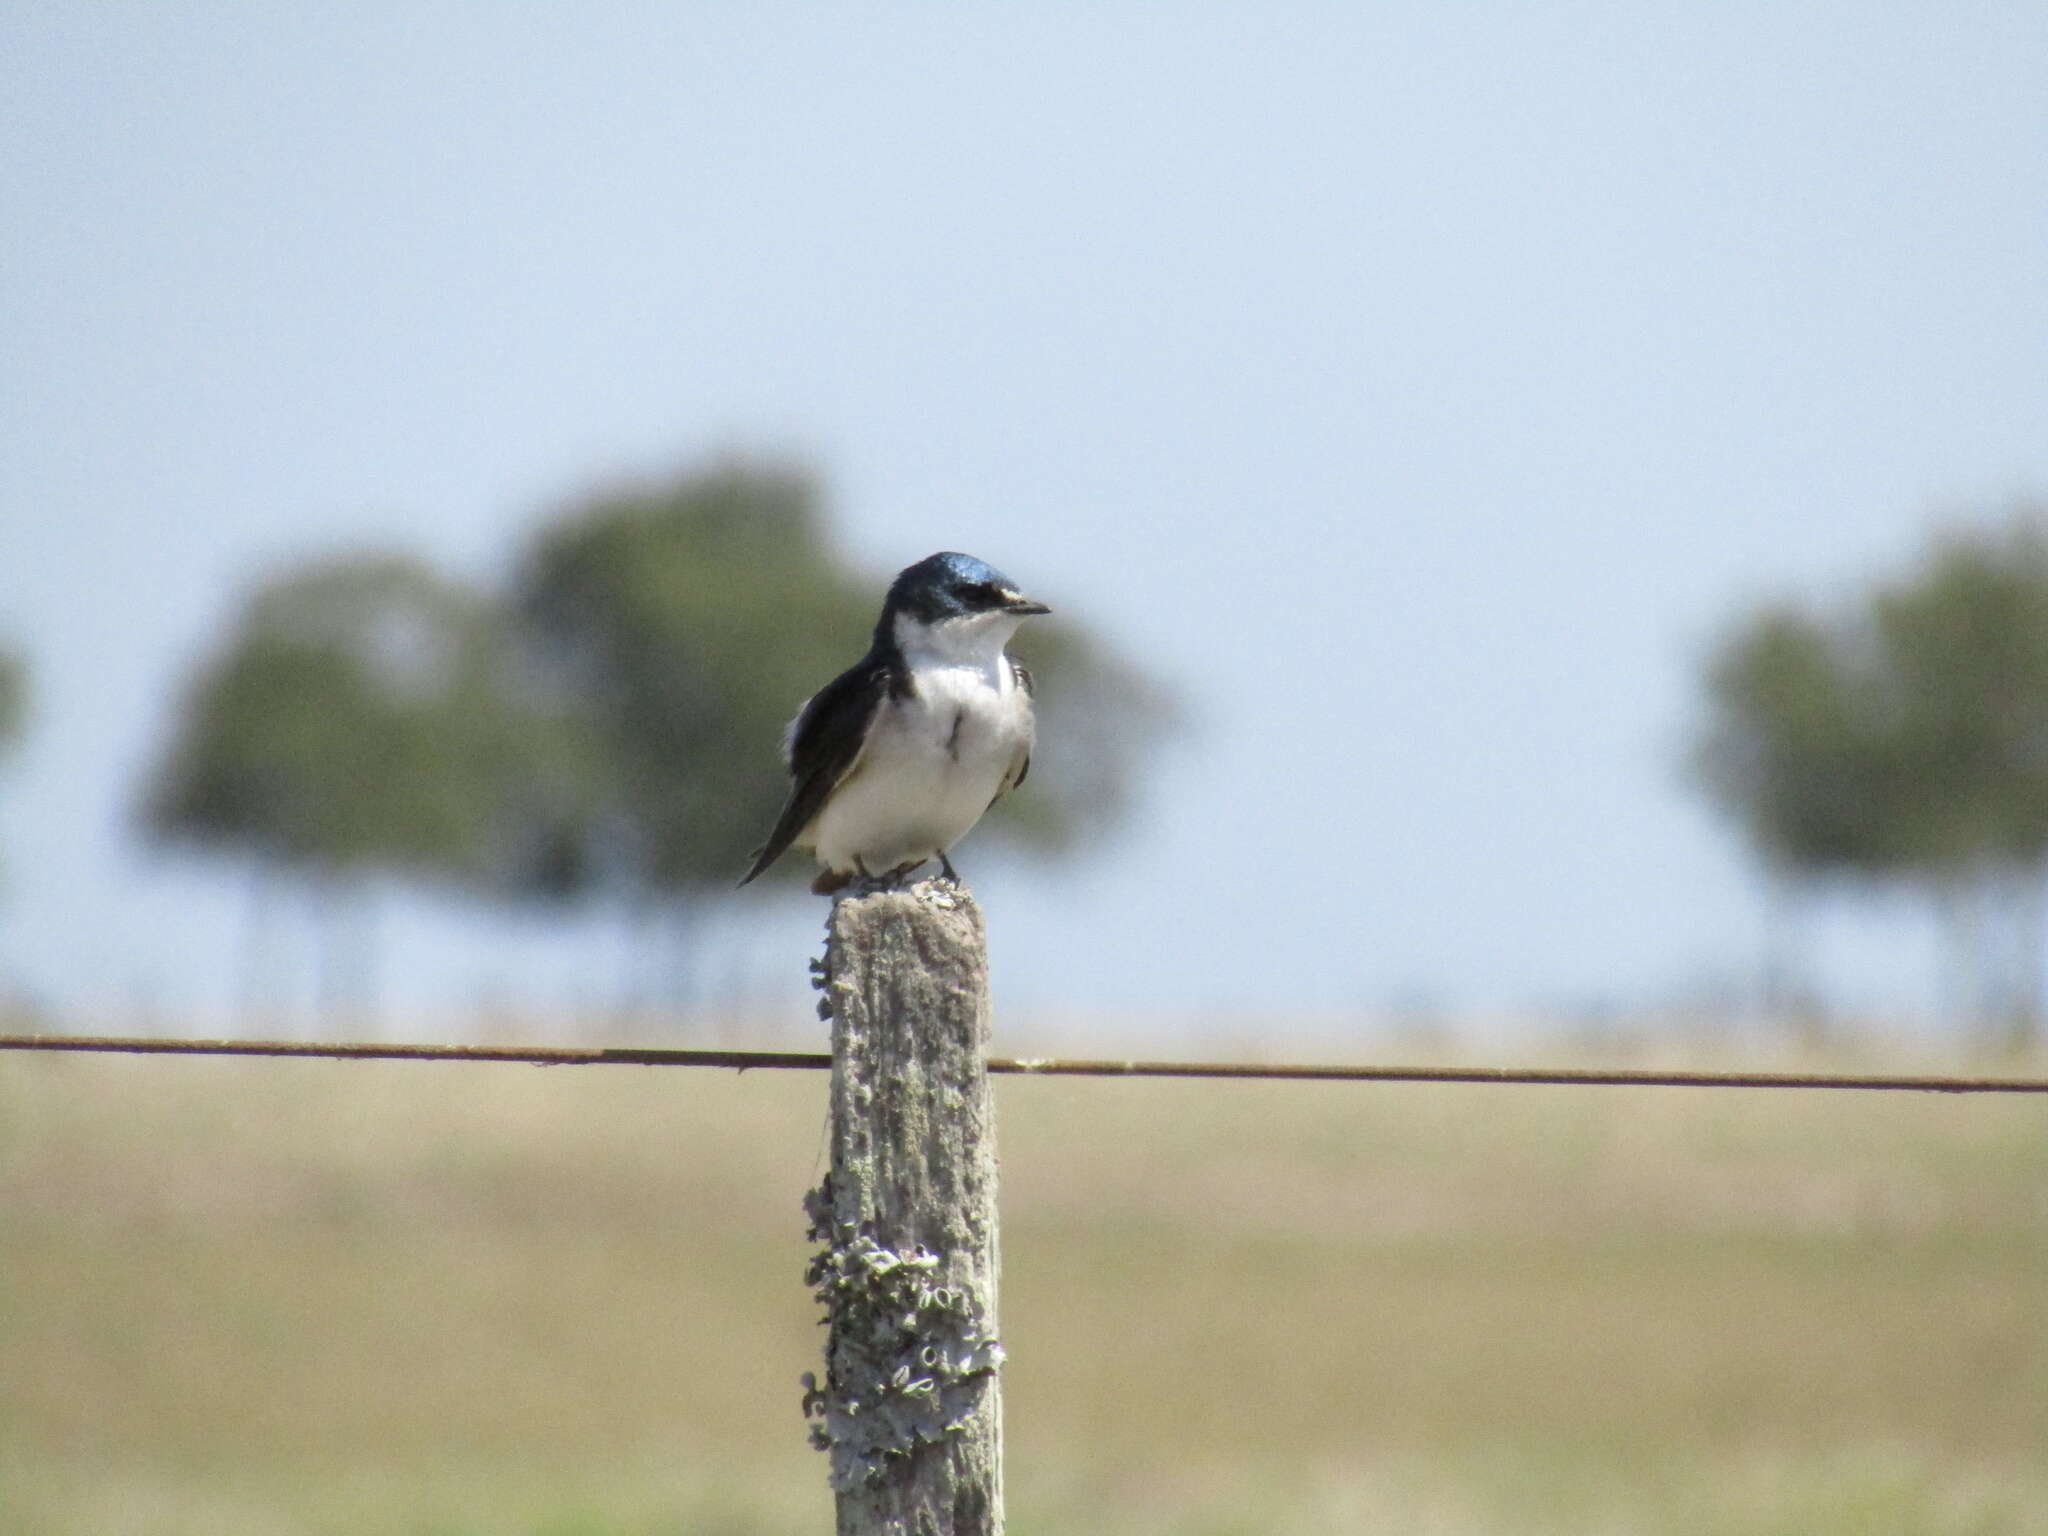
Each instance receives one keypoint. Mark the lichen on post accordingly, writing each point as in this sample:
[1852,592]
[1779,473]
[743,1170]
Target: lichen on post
[909,1408]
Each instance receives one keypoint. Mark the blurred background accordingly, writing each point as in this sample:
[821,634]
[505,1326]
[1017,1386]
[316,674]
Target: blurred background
[1544,515]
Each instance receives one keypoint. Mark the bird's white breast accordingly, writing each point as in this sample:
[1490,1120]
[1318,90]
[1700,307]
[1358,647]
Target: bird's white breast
[935,758]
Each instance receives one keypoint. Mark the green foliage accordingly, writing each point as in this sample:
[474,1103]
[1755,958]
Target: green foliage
[1964,645]
[1797,748]
[357,718]
[1906,735]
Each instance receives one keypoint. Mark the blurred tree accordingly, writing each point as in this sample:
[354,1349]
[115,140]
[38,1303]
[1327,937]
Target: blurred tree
[1798,748]
[677,625]
[1906,739]
[1965,642]
[1793,750]
[357,721]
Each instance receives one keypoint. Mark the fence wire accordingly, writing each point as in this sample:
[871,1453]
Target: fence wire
[1034,1066]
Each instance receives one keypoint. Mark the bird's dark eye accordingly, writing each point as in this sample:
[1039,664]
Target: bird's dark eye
[982,591]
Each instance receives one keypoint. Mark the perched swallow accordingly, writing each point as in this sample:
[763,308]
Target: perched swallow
[893,761]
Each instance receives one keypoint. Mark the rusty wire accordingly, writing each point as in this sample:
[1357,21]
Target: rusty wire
[754,1061]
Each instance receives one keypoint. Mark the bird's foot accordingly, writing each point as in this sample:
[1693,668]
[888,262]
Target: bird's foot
[860,882]
[898,877]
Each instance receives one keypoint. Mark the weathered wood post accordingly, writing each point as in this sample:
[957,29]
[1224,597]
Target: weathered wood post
[909,1408]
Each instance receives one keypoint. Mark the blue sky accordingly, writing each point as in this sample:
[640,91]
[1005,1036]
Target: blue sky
[1416,389]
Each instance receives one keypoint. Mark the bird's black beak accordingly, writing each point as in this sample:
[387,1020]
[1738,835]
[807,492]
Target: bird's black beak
[1022,606]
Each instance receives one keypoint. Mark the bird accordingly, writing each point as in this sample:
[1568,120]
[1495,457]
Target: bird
[894,761]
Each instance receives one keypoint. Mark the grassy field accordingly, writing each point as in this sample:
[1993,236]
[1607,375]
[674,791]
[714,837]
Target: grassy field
[254,1297]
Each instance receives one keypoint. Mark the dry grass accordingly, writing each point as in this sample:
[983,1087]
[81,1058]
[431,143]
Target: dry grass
[335,1297]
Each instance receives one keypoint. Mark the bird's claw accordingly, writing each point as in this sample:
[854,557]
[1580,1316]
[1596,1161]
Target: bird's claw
[858,881]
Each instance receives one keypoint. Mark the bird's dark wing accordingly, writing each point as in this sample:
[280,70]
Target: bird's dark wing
[825,743]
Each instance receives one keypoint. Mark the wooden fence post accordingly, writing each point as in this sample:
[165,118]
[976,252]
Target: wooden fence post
[909,1409]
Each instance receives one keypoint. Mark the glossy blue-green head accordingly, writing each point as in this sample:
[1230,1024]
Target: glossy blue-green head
[953,586]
